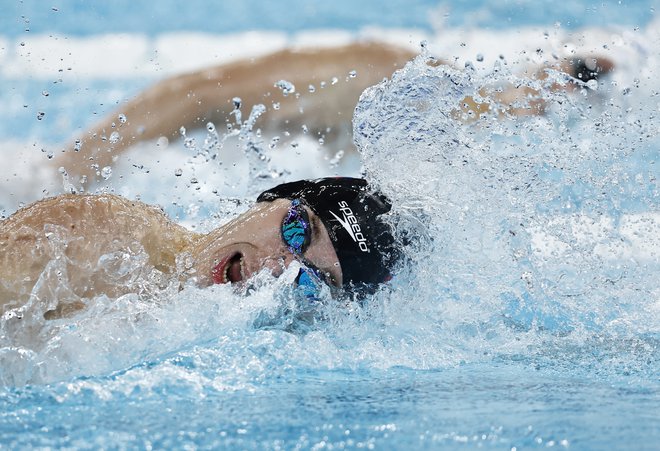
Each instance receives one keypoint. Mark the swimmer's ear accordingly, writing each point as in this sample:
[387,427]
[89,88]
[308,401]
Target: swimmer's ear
[586,68]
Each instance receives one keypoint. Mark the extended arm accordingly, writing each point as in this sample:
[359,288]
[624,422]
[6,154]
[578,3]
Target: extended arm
[191,100]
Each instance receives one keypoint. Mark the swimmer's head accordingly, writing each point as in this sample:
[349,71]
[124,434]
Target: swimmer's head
[353,216]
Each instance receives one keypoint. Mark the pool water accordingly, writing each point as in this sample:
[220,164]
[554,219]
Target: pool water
[528,312]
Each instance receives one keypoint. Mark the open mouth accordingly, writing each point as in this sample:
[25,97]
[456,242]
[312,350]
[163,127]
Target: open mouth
[229,270]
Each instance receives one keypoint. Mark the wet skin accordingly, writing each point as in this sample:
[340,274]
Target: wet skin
[253,241]
[84,235]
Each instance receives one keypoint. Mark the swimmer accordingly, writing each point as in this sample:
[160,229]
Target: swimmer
[64,251]
[324,107]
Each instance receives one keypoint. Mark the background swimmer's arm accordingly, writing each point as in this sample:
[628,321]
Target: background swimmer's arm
[75,238]
[193,99]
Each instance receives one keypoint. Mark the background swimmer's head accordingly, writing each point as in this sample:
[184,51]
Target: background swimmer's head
[352,213]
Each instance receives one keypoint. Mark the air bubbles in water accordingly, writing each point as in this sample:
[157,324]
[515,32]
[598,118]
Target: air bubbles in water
[122,118]
[114,137]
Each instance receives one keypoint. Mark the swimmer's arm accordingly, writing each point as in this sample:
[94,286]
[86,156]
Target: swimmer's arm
[80,229]
[191,100]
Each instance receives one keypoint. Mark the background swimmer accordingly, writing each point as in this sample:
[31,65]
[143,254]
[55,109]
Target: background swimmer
[210,95]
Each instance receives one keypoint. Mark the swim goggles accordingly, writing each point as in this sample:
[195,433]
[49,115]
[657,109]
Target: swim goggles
[297,235]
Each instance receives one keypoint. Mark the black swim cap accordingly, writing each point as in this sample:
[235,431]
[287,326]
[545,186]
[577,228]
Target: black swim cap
[351,212]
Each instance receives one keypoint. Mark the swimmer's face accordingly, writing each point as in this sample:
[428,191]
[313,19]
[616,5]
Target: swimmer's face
[254,241]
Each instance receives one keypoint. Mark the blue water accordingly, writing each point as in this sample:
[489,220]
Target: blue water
[496,406]
[81,17]
[486,339]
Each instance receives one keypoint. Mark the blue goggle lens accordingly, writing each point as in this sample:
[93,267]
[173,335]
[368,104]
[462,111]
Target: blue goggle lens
[296,228]
[309,284]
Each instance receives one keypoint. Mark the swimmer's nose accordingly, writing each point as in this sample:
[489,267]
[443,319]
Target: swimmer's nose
[277,264]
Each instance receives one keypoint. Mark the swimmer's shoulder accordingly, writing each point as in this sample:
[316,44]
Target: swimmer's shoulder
[70,209]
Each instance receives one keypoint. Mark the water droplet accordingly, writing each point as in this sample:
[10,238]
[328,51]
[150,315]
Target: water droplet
[189,143]
[114,137]
[274,142]
[162,142]
[352,74]
[106,172]
[194,181]
[286,86]
[480,57]
[237,102]
[323,84]
[178,172]
[122,118]
[45,93]
[337,158]
[210,127]
[77,145]
[311,88]
[40,115]
[276,105]
[334,80]
[304,128]
[182,131]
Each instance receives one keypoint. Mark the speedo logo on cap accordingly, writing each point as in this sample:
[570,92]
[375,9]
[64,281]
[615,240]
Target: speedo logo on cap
[350,223]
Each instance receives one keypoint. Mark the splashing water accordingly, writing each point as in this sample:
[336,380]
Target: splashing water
[543,233]
[533,255]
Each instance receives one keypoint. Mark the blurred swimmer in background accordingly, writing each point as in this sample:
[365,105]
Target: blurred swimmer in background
[312,98]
